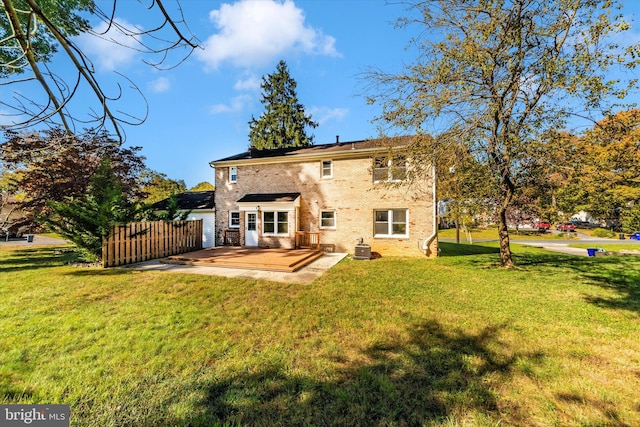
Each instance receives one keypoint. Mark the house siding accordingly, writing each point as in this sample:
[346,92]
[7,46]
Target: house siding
[351,193]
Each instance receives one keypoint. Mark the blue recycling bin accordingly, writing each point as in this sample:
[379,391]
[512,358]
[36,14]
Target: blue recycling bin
[591,251]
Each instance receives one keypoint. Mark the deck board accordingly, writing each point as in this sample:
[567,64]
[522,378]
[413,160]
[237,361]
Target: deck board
[273,259]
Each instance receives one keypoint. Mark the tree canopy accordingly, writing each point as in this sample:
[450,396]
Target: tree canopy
[157,186]
[38,92]
[499,75]
[284,122]
[51,165]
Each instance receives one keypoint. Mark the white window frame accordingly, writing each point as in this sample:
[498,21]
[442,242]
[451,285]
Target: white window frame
[390,223]
[391,163]
[334,218]
[276,222]
[231,225]
[233,177]
[322,169]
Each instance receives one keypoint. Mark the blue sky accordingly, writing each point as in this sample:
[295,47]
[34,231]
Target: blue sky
[199,111]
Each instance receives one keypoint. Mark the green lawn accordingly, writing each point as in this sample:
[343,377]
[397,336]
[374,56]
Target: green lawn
[453,342]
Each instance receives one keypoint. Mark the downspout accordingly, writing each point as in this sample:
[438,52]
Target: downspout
[434,235]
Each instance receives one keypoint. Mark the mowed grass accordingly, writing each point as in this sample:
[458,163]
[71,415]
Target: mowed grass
[393,341]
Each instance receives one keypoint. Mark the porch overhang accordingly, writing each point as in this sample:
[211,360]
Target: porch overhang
[269,202]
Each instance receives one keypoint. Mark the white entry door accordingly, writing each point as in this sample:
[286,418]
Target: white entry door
[251,229]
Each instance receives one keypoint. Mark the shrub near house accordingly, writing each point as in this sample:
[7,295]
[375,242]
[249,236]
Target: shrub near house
[345,192]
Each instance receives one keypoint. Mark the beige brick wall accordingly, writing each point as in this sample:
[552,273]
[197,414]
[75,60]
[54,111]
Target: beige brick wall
[350,192]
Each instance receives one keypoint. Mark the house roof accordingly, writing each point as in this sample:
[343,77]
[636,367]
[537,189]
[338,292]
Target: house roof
[322,150]
[189,200]
[269,198]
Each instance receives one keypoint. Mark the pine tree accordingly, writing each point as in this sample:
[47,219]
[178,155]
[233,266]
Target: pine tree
[284,120]
[87,219]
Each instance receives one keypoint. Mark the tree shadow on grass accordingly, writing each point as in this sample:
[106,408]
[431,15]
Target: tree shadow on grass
[618,273]
[36,258]
[463,249]
[433,376]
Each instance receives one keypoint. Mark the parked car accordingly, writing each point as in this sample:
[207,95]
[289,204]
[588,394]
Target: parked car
[635,236]
[543,226]
[566,226]
[581,224]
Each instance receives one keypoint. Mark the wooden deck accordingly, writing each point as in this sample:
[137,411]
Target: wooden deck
[275,259]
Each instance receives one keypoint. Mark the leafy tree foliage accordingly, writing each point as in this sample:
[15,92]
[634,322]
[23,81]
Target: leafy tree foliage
[32,31]
[605,180]
[158,187]
[203,186]
[52,165]
[284,121]
[499,75]
[88,218]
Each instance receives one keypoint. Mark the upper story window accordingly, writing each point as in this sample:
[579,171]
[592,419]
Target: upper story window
[389,169]
[233,174]
[327,169]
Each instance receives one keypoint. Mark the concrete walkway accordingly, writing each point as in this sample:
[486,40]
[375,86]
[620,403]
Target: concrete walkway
[305,275]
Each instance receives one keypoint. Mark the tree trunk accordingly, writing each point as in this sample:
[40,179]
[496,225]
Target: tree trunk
[503,235]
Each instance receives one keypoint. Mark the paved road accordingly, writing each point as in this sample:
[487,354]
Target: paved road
[38,240]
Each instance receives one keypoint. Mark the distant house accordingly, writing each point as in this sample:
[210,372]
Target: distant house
[202,206]
[338,192]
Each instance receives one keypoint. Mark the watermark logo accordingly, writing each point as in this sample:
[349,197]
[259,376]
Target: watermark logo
[34,415]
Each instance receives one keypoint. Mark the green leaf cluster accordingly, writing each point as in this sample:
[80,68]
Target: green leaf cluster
[22,25]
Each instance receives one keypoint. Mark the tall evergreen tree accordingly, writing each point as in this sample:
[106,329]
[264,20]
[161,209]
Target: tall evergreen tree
[284,120]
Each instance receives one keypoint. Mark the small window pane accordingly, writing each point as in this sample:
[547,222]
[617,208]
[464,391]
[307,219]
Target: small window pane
[399,228]
[327,168]
[381,228]
[399,169]
[234,219]
[268,222]
[380,169]
[328,219]
[382,216]
[399,225]
[233,174]
[283,223]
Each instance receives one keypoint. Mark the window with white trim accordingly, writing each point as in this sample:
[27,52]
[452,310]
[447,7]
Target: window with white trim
[389,169]
[391,223]
[233,174]
[234,219]
[328,219]
[327,169]
[275,223]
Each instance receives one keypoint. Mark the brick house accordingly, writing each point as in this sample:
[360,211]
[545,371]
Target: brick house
[344,193]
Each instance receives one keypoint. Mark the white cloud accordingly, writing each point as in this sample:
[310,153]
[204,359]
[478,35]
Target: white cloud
[236,104]
[325,114]
[109,51]
[253,33]
[159,85]
[249,84]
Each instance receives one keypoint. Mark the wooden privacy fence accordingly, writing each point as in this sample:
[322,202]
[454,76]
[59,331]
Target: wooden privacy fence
[142,241]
